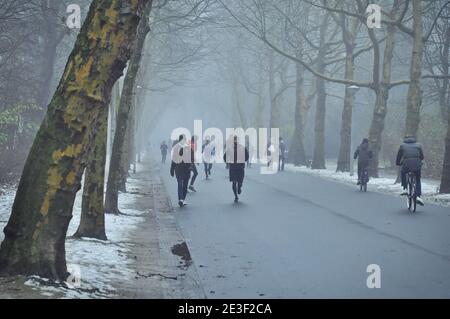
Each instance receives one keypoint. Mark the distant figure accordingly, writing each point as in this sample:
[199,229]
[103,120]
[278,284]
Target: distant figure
[236,165]
[181,168]
[250,150]
[208,154]
[282,154]
[163,149]
[410,157]
[270,153]
[193,146]
[363,154]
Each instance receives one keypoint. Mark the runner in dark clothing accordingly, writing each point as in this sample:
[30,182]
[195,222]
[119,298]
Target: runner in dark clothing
[180,168]
[363,154]
[163,149]
[236,165]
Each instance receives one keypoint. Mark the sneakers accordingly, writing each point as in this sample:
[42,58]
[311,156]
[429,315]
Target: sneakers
[419,201]
[405,193]
[191,188]
[236,199]
[182,203]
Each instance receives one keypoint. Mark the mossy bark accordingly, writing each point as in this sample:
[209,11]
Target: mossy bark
[348,35]
[126,102]
[92,222]
[414,97]
[382,94]
[36,231]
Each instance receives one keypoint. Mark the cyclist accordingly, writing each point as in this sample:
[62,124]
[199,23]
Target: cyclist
[364,155]
[410,157]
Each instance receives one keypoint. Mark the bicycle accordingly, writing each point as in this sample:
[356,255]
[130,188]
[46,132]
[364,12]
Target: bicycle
[364,180]
[412,196]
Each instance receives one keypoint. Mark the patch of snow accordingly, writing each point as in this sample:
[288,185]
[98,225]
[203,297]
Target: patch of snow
[101,264]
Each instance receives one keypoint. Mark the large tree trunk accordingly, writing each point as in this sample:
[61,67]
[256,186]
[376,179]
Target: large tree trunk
[319,128]
[297,154]
[382,95]
[445,180]
[260,99]
[115,182]
[36,231]
[343,164]
[274,120]
[414,98]
[92,222]
[443,90]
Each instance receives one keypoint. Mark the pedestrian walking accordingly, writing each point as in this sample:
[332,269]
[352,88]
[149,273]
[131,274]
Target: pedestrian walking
[180,168]
[163,149]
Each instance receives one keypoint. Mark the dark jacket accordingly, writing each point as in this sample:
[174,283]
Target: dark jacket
[410,155]
[282,149]
[363,154]
[181,169]
[236,163]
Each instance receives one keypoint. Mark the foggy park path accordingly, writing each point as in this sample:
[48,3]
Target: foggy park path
[294,235]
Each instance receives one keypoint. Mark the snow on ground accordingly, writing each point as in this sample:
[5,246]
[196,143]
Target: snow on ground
[384,184]
[100,264]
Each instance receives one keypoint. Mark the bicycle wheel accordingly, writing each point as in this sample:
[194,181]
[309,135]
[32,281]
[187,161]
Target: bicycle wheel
[414,196]
[410,195]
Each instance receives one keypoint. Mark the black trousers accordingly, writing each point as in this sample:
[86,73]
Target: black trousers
[281,163]
[195,173]
[208,167]
[182,186]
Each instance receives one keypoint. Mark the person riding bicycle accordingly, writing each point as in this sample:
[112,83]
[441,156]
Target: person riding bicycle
[364,155]
[410,157]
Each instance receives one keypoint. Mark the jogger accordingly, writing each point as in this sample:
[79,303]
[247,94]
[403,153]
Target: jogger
[235,156]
